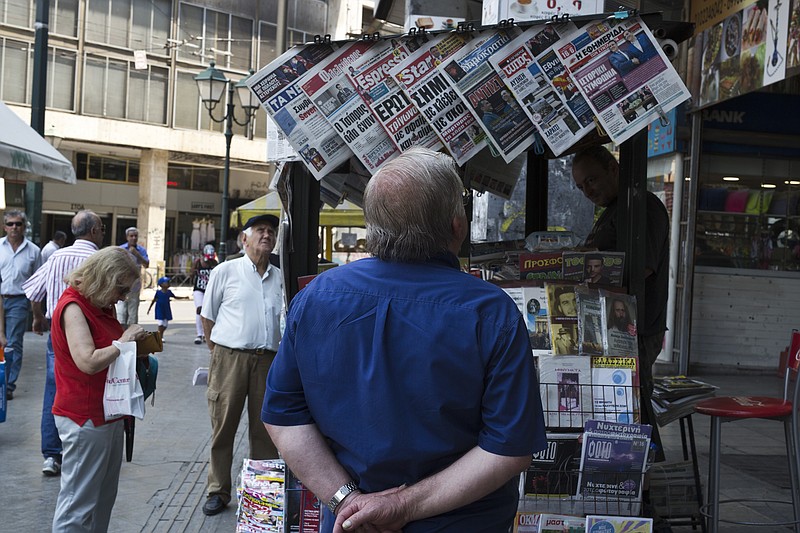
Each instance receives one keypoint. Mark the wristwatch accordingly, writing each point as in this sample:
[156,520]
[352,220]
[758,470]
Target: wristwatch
[341,494]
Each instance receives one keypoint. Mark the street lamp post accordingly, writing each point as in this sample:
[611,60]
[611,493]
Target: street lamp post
[211,83]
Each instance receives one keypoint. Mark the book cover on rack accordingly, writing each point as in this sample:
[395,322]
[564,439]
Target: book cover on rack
[536,318]
[561,523]
[618,524]
[604,268]
[619,329]
[565,385]
[554,470]
[590,321]
[572,268]
[540,265]
[615,388]
[563,313]
[613,464]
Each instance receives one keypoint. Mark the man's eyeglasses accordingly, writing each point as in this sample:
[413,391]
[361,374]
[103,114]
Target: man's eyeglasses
[17,224]
[103,228]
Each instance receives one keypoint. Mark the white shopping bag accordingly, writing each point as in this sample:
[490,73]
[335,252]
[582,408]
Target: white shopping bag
[123,393]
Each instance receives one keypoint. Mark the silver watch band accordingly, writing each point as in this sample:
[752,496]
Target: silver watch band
[341,494]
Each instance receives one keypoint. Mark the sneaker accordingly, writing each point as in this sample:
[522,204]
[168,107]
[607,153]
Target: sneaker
[198,340]
[51,467]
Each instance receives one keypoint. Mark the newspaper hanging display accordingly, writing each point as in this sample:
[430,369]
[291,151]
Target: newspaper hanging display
[623,74]
[277,87]
[342,104]
[509,129]
[390,105]
[551,101]
[436,99]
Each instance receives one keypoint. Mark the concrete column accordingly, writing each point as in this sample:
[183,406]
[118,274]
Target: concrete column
[152,212]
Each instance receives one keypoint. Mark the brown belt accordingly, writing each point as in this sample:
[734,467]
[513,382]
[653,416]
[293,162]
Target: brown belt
[256,351]
[12,295]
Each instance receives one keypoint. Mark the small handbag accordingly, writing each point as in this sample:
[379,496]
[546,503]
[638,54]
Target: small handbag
[151,343]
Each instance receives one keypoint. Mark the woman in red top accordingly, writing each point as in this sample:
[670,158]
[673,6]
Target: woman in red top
[84,325]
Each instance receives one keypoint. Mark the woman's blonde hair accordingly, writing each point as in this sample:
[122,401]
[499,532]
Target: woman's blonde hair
[101,276]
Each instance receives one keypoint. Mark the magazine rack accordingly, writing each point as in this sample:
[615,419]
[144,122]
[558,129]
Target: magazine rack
[555,488]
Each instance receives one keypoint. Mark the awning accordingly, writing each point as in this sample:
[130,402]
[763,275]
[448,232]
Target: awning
[346,215]
[24,150]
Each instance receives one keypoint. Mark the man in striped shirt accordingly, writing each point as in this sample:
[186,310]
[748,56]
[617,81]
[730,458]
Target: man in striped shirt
[48,281]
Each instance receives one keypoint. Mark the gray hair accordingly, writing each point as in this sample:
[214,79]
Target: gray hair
[410,204]
[83,222]
[15,213]
[131,230]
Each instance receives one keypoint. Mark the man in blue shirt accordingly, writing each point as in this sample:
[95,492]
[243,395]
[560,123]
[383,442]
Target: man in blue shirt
[404,393]
[128,310]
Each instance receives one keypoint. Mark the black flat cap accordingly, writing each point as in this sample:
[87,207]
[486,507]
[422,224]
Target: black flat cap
[272,220]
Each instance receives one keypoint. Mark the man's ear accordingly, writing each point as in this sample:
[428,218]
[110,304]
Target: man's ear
[460,227]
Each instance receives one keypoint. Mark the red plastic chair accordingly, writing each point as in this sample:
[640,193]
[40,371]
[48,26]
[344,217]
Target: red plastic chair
[731,408]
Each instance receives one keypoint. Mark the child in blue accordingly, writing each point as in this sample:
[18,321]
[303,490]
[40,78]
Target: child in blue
[161,300]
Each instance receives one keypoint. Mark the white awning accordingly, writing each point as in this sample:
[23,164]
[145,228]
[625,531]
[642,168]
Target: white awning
[22,149]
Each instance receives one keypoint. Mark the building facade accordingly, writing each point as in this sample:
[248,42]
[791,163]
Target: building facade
[123,106]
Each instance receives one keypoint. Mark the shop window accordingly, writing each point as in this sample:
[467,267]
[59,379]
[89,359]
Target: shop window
[97,168]
[193,178]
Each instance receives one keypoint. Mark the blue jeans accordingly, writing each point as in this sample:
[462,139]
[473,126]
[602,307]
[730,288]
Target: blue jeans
[16,318]
[51,443]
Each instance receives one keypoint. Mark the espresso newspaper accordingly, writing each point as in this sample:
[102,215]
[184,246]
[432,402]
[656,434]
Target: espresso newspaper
[277,87]
[622,72]
[340,101]
[390,105]
[479,86]
[436,99]
[546,106]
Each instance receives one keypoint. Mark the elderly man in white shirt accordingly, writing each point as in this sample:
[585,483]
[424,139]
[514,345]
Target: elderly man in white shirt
[241,320]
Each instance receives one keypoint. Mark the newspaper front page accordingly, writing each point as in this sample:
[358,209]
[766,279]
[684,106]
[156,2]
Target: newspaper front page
[482,90]
[277,87]
[390,105]
[546,106]
[436,99]
[621,70]
[342,104]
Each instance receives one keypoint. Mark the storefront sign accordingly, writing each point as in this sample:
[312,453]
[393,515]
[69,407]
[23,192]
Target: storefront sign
[202,206]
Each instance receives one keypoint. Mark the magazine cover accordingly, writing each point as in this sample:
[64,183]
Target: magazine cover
[277,87]
[590,321]
[260,494]
[566,389]
[344,107]
[613,465]
[618,524]
[619,331]
[563,318]
[483,92]
[526,522]
[545,106]
[302,507]
[604,268]
[561,523]
[487,173]
[622,72]
[430,92]
[572,266]
[554,470]
[390,105]
[540,265]
[615,388]
[535,301]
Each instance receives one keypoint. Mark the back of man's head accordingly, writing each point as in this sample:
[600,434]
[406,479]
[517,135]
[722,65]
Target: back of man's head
[83,222]
[410,205]
[59,237]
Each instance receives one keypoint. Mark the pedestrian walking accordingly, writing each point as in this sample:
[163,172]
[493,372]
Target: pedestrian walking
[200,274]
[163,309]
[128,310]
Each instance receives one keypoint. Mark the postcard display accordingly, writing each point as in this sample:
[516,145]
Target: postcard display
[485,94]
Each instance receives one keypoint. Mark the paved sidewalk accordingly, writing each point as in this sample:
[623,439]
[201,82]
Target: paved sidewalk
[163,488]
